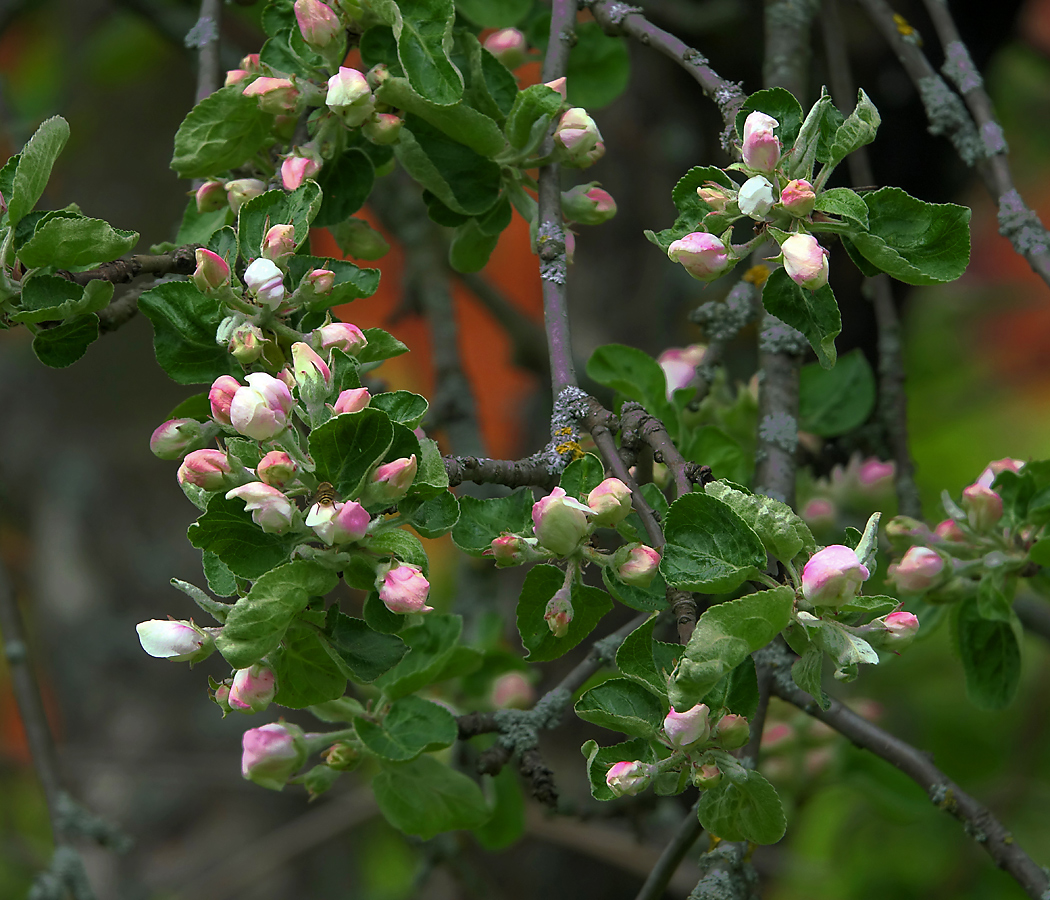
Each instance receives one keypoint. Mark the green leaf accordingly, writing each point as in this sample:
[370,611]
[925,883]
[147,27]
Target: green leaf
[381,344]
[494,13]
[724,636]
[258,215]
[750,811]
[471,247]
[599,67]
[712,447]
[582,476]
[482,521]
[736,691]
[425,798]
[431,644]
[814,313]
[845,648]
[33,168]
[402,406]
[64,344]
[995,596]
[858,130]
[431,517]
[781,105]
[492,88]
[50,298]
[350,283]
[622,704]
[507,824]
[423,29]
[819,126]
[836,401]
[601,759]
[227,530]
[781,530]
[589,605]
[345,185]
[650,599]
[221,581]
[346,447]
[412,726]
[257,622]
[991,656]
[305,672]
[1040,552]
[184,325]
[845,203]
[531,115]
[806,672]
[636,375]
[869,605]
[635,658]
[377,616]
[709,547]
[220,132]
[914,241]
[213,608]
[198,227]
[691,209]
[378,45]
[431,476]
[362,653]
[399,544]
[69,243]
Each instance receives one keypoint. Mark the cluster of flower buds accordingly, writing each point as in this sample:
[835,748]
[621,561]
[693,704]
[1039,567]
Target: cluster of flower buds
[860,487]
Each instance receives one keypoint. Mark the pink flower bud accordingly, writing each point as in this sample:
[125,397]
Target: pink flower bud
[715,195]
[690,727]
[236,76]
[509,550]
[508,46]
[246,343]
[798,197]
[570,246]
[902,624]
[610,502]
[175,641]
[337,522]
[576,134]
[640,566]
[703,255]
[265,282]
[404,589]
[350,97]
[628,778]
[559,85]
[560,522]
[276,95]
[876,476]
[276,469]
[559,612]
[241,190]
[987,477]
[588,204]
[755,198]
[271,510]
[212,271]
[279,243]
[320,281]
[250,63]
[341,335]
[832,576]
[918,570]
[383,128]
[311,372]
[205,468]
[949,530]
[177,437]
[760,148]
[220,396]
[904,531]
[221,697]
[352,400]
[900,630]
[253,689]
[260,410]
[211,196]
[391,481]
[679,365]
[297,169]
[512,690]
[272,754]
[377,75]
[776,735]
[317,22]
[732,731]
[820,513]
[984,507]
[706,777]
[805,261]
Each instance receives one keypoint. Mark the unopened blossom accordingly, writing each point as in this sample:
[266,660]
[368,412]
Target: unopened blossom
[755,197]
[391,481]
[900,629]
[276,95]
[296,169]
[509,550]
[805,261]
[876,476]
[918,570]
[508,45]
[220,397]
[311,372]
[352,400]
[241,190]
[732,732]
[707,776]
[378,75]
[715,195]
[679,366]
[211,196]
[318,23]
[798,197]
[703,255]
[988,476]
[212,271]
[340,335]
[559,85]
[984,507]
[383,128]
[338,522]
[628,778]
[760,147]
[949,530]
[819,513]
[235,76]
[559,612]
[588,204]
[260,410]
[833,576]
[246,343]
[175,641]
[265,281]
[272,754]
[276,469]
[512,690]
[610,502]
[560,522]
[320,281]
[253,689]
[350,96]
[684,729]
[404,589]
[271,510]
[576,134]
[639,568]
[205,468]
[278,243]
[177,437]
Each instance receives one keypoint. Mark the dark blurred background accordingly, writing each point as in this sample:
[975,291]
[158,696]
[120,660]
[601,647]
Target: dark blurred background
[92,526]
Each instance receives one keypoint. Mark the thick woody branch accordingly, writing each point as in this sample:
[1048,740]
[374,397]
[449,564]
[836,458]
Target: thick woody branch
[639,427]
[205,35]
[180,261]
[510,473]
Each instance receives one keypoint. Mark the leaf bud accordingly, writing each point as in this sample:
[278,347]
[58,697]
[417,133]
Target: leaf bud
[805,261]
[832,576]
[628,778]
[683,729]
[253,689]
[174,640]
[760,148]
[404,589]
[703,255]
[508,46]
[272,754]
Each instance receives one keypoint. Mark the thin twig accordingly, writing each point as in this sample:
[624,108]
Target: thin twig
[661,874]
[638,426]
[180,261]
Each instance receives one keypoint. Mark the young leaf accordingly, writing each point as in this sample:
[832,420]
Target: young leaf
[649,599]
[64,344]
[494,13]
[806,671]
[346,448]
[361,653]
[305,672]
[431,644]
[227,530]
[345,185]
[219,133]
[531,115]
[221,581]
[50,298]
[482,521]
[621,704]
[71,242]
[402,406]
[381,344]
[781,530]
[411,726]
[423,30]
[845,203]
[836,401]
[589,606]
[636,658]
[582,476]
[471,247]
[425,798]
[599,67]
[431,517]
[991,656]
[33,167]
[858,130]
[636,375]
[748,811]
[258,215]
[814,313]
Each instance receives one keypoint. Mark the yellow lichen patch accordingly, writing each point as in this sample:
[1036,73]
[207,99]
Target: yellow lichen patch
[757,275]
[571,449]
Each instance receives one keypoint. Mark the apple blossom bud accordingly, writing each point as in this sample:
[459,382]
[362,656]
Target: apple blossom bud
[690,727]
[639,568]
[241,190]
[220,396]
[342,756]
[586,160]
[560,522]
[390,482]
[904,531]
[260,410]
[876,477]
[628,778]
[715,195]
[383,128]
[760,148]
[318,23]
[832,576]
[508,46]
[352,400]
[805,261]
[175,641]
[271,510]
[320,281]
[576,134]
[341,335]
[610,502]
[272,754]
[212,271]
[177,437]
[205,468]
[509,550]
[917,571]
[312,374]
[221,697]
[755,197]
[246,343]
[276,469]
[377,75]
[984,507]
[338,522]
[211,196]
[278,243]
[588,204]
[559,85]
[798,197]
[250,63]
[820,513]
[512,690]
[404,589]
[235,76]
[732,732]
[299,168]
[949,530]
[276,95]
[570,247]
[901,628]
[987,477]
[679,365]
[703,255]
[265,282]
[350,97]
[559,612]
[253,689]
[706,777]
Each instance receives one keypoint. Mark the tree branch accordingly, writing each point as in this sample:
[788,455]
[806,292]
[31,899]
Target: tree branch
[205,36]
[512,473]
[661,874]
